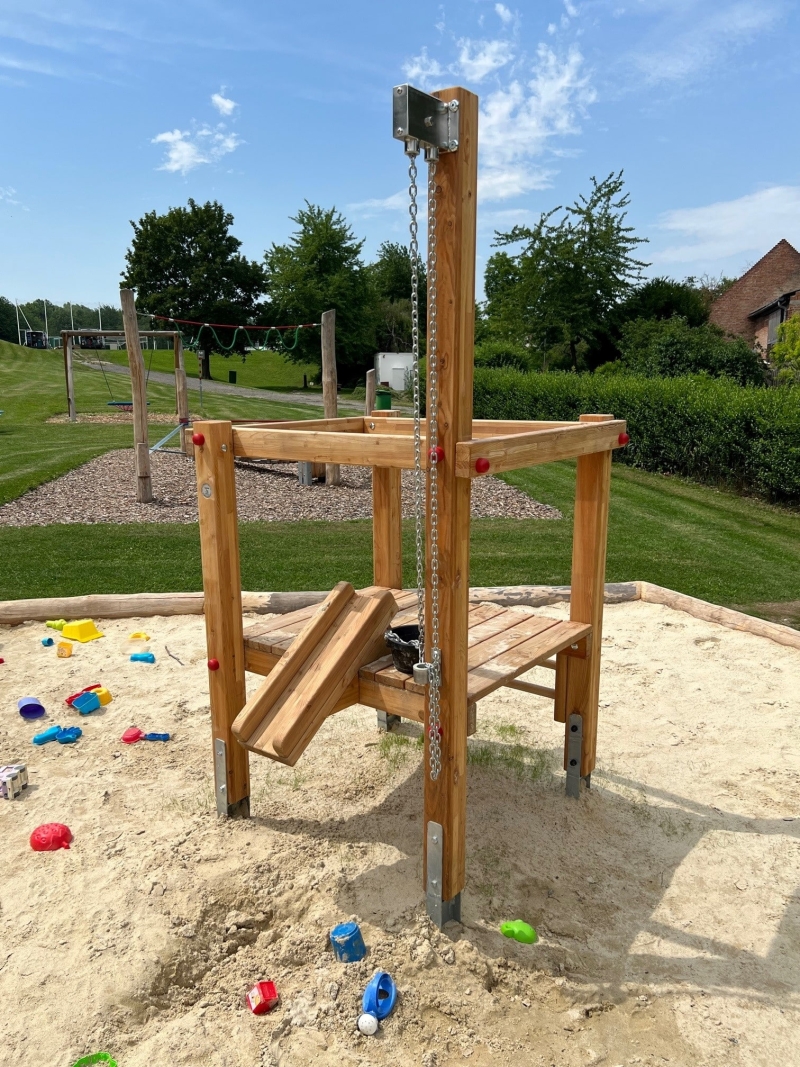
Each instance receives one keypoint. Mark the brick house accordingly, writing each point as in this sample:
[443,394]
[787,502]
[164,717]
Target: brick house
[763,298]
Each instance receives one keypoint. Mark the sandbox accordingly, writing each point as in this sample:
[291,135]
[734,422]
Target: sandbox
[666,901]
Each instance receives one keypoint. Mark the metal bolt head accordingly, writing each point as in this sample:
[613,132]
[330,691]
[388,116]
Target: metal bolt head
[206,490]
[452,145]
[400,129]
[224,448]
[400,90]
[372,426]
[429,120]
[453,105]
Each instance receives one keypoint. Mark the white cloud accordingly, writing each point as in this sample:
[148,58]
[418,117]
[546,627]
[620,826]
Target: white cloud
[518,123]
[187,150]
[8,194]
[570,8]
[477,59]
[746,227]
[223,104]
[503,13]
[687,43]
[422,70]
[366,209]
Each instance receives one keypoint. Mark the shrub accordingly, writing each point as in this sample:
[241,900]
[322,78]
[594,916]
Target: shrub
[671,347]
[708,429]
[503,354]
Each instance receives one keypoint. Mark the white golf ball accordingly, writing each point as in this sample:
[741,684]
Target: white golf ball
[368,1024]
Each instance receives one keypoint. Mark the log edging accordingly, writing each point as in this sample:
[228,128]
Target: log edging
[141,605]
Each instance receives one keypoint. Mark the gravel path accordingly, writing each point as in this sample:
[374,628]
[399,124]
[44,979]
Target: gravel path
[269,493]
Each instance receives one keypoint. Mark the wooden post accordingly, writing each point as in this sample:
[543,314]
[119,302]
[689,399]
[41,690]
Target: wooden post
[67,342]
[446,798]
[580,678]
[222,590]
[369,403]
[329,384]
[144,485]
[181,395]
[387,529]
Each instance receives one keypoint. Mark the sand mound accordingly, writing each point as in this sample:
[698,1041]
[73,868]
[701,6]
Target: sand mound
[666,899]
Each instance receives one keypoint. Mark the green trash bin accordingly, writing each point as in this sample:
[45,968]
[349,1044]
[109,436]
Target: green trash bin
[232,377]
[383,400]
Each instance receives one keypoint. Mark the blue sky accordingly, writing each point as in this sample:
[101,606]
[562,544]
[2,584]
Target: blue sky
[113,109]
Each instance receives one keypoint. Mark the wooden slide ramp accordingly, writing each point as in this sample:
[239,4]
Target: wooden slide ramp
[346,632]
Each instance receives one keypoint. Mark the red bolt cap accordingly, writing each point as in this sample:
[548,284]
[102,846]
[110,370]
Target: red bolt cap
[213,664]
[624,438]
[198,439]
[436,455]
[482,465]
[440,731]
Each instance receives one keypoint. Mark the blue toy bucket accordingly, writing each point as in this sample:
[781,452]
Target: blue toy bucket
[348,944]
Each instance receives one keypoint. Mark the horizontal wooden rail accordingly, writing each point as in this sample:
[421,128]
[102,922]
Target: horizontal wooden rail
[480,427]
[510,452]
[320,446]
[531,687]
[344,425]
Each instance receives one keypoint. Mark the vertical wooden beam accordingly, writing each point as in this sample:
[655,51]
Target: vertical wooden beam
[222,589]
[144,485]
[579,685]
[387,530]
[456,189]
[330,384]
[68,372]
[181,395]
[369,403]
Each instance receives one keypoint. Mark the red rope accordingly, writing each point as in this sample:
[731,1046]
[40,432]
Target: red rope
[230,326]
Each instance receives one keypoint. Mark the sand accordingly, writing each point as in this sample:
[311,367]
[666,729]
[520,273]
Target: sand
[666,899]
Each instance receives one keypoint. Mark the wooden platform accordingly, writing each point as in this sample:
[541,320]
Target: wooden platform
[503,643]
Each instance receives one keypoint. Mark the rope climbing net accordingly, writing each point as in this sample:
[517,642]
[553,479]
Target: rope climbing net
[267,344]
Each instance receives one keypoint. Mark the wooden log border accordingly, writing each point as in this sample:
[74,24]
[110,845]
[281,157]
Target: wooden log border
[143,605]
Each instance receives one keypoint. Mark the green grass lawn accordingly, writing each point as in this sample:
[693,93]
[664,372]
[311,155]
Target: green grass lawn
[32,389]
[710,544]
[260,370]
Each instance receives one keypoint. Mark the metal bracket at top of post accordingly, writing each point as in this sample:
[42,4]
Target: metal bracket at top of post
[417,116]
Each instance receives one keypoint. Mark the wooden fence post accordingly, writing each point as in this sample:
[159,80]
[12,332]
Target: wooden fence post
[144,485]
[446,797]
[67,342]
[222,591]
[369,403]
[330,384]
[181,395]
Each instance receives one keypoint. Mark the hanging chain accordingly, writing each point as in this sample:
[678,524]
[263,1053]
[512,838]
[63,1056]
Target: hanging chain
[432,402]
[412,150]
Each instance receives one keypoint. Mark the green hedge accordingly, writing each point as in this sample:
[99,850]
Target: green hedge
[711,430]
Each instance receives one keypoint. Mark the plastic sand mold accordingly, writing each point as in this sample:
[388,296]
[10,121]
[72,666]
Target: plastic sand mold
[63,650]
[96,1057]
[82,631]
[50,837]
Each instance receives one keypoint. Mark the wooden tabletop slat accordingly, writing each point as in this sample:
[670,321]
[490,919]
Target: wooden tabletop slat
[492,673]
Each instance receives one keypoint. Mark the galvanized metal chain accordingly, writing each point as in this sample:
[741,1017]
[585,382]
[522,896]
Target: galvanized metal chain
[432,404]
[428,642]
[412,151]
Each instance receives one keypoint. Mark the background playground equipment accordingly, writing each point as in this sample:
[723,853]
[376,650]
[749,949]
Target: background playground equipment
[482,647]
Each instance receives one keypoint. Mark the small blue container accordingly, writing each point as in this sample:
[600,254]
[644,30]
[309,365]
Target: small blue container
[30,708]
[380,996]
[86,702]
[48,642]
[143,657]
[348,944]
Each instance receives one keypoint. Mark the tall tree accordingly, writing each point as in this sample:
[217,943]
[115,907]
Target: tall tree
[8,321]
[186,264]
[320,269]
[572,270]
[391,276]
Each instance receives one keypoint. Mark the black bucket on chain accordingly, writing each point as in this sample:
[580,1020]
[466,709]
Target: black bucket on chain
[403,642]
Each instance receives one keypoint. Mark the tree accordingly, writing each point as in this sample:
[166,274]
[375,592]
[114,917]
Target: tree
[8,321]
[667,348]
[785,353]
[571,273]
[320,269]
[661,298]
[391,276]
[186,264]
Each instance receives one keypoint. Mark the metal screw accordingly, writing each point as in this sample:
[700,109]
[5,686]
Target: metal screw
[206,490]
[452,145]
[574,646]
[399,90]
[372,426]
[429,120]
[224,448]
[400,129]
[453,105]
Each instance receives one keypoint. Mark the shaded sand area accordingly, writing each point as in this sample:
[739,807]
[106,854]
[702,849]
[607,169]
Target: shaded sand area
[667,899]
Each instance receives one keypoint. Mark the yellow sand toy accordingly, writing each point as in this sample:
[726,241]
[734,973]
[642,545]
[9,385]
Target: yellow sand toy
[63,649]
[82,631]
[140,635]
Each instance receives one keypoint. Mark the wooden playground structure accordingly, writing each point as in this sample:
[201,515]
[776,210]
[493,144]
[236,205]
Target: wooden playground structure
[322,659]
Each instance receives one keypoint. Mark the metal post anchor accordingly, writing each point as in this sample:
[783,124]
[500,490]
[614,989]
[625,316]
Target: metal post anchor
[574,753]
[386,721]
[240,810]
[440,911]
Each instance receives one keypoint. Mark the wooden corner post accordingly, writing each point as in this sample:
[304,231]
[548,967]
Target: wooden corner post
[330,384]
[67,340]
[578,677]
[181,395]
[446,797]
[144,485]
[222,589]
